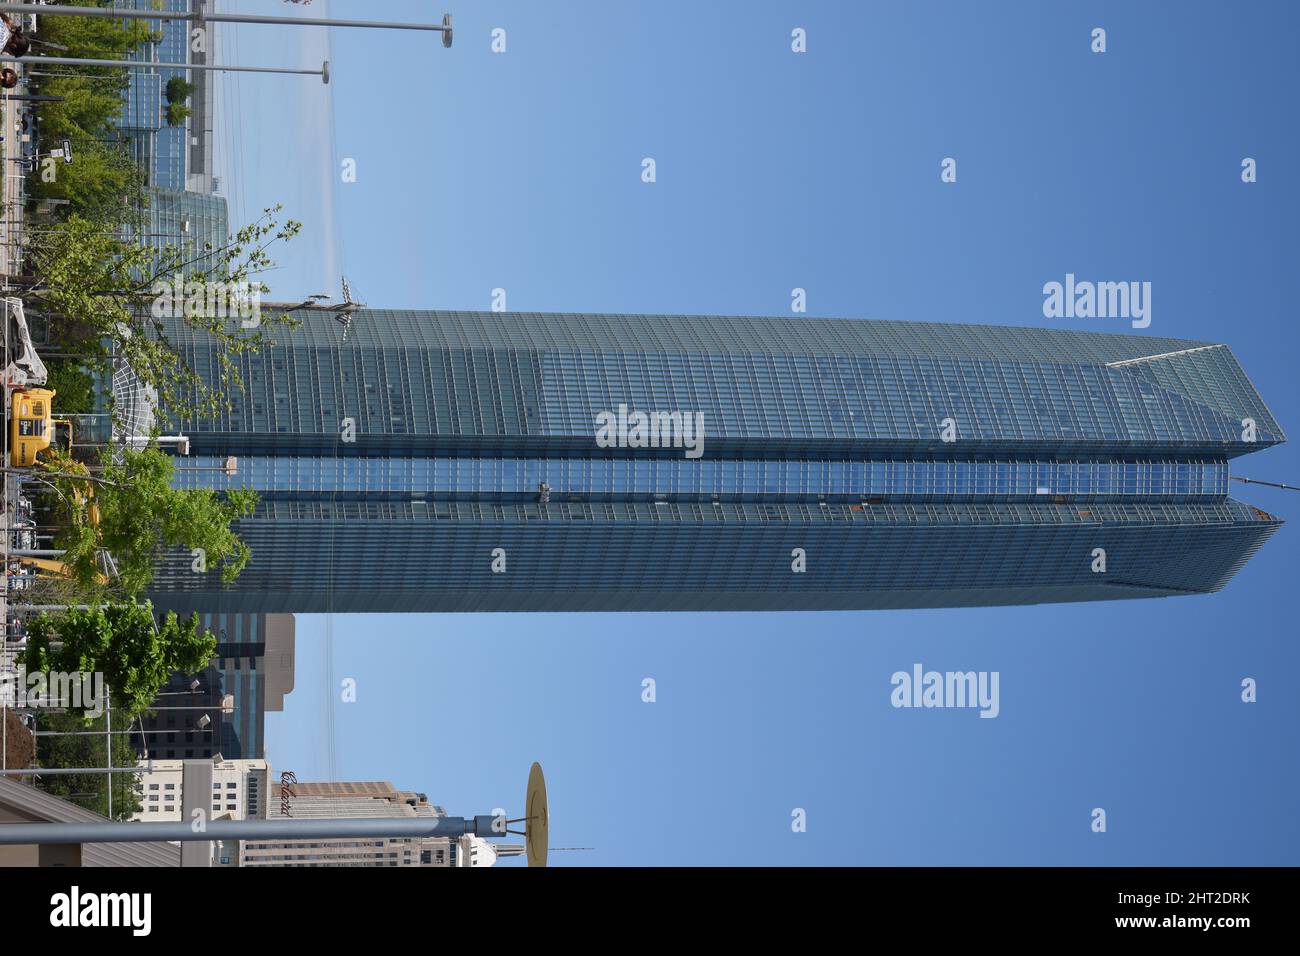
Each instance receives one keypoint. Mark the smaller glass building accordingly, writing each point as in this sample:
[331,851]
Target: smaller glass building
[160,149]
[186,222]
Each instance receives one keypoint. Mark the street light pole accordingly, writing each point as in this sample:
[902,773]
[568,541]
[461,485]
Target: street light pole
[70,771]
[230,468]
[227,706]
[323,72]
[31,98]
[281,828]
[203,17]
[196,707]
[99,733]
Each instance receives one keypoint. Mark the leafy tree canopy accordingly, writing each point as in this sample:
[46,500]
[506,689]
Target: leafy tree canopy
[92,95]
[179,89]
[104,184]
[122,642]
[89,790]
[139,514]
[74,386]
[105,290]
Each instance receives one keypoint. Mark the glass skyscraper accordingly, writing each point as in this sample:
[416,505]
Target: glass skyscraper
[188,224]
[451,461]
[253,665]
[161,150]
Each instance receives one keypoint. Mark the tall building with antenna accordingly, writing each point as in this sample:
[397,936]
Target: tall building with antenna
[454,461]
[353,799]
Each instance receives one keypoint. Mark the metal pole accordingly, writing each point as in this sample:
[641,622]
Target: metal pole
[196,707]
[65,771]
[1271,484]
[96,733]
[53,607]
[281,828]
[108,746]
[323,72]
[107,12]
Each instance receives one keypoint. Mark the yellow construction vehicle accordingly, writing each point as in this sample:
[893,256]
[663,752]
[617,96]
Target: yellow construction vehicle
[56,568]
[34,429]
[32,425]
[81,484]
[92,510]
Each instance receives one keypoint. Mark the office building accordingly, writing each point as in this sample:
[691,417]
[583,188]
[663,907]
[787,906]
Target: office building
[161,149]
[361,799]
[253,671]
[240,790]
[194,227]
[445,461]
[174,153]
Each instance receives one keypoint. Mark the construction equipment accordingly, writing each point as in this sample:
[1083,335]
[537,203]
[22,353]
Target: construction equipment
[55,568]
[32,425]
[88,494]
[25,368]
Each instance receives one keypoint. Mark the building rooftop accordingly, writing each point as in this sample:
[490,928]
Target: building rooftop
[20,803]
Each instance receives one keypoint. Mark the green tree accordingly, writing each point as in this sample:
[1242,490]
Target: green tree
[122,642]
[92,96]
[139,514]
[177,113]
[179,89]
[105,291]
[104,184]
[90,105]
[74,386]
[101,37]
[103,181]
[89,790]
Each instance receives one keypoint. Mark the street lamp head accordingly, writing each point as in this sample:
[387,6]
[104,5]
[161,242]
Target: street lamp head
[537,812]
[325,72]
[446,31]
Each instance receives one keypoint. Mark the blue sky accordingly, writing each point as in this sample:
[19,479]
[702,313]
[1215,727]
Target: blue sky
[820,170]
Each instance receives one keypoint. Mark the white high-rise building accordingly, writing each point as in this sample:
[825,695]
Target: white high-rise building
[240,790]
[362,799]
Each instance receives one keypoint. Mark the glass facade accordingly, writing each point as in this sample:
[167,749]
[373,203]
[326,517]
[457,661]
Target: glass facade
[188,223]
[610,479]
[160,149]
[240,649]
[911,465]
[253,666]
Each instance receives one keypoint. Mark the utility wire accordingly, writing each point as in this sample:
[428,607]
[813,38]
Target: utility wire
[1271,484]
